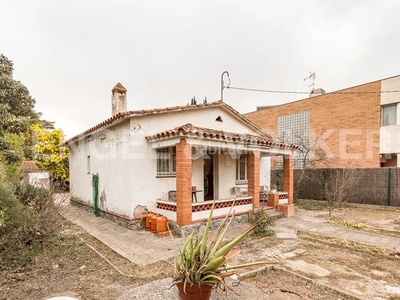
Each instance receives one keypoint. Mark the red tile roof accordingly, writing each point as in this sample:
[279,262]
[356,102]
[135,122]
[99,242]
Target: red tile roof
[137,113]
[29,167]
[190,130]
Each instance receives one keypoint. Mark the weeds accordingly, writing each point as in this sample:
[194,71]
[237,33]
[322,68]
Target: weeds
[347,223]
[29,218]
[262,229]
[381,250]
[311,204]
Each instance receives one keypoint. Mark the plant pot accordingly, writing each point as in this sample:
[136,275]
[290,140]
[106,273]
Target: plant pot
[194,292]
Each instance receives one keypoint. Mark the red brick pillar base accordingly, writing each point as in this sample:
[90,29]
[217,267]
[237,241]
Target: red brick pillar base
[273,199]
[183,183]
[286,209]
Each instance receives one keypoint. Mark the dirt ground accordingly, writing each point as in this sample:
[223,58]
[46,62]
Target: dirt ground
[314,267]
[309,267]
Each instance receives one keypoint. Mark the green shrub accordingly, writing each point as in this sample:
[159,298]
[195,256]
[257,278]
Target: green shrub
[30,195]
[29,218]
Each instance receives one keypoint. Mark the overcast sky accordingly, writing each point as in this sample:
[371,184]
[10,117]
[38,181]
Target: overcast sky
[71,53]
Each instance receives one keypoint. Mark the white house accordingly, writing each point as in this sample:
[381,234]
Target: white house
[33,176]
[174,161]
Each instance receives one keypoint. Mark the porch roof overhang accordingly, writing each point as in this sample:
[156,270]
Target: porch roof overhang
[212,138]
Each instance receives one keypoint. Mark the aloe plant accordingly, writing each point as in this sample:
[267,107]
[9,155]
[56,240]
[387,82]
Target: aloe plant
[202,260]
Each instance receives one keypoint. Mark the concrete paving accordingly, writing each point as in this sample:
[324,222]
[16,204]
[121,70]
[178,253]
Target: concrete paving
[308,221]
[139,247]
[144,247]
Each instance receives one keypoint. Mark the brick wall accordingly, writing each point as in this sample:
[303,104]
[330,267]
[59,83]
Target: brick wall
[347,123]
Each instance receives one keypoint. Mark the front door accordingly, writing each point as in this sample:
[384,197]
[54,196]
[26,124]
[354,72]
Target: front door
[208,176]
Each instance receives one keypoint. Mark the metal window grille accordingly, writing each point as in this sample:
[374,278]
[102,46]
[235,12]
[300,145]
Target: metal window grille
[241,168]
[166,161]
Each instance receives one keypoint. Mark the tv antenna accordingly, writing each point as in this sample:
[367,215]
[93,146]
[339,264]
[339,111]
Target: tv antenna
[223,85]
[311,77]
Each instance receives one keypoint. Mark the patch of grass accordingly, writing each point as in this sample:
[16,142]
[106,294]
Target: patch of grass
[308,204]
[381,250]
[347,223]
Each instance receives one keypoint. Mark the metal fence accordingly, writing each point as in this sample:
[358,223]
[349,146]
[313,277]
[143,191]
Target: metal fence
[380,186]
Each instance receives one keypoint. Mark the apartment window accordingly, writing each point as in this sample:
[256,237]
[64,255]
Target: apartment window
[241,168]
[166,161]
[389,115]
[88,164]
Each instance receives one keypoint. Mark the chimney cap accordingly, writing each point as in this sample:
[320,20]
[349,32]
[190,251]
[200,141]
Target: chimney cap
[119,88]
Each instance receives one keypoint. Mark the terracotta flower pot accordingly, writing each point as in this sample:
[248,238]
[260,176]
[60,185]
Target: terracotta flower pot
[194,292]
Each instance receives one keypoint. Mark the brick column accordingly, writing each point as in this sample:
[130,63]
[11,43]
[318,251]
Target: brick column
[288,179]
[288,186]
[183,183]
[253,177]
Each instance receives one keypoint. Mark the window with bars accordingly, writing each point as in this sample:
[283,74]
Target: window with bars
[166,161]
[241,168]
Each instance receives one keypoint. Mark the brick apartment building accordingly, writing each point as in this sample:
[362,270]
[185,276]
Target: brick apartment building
[357,126]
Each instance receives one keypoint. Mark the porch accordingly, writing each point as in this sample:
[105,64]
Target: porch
[214,163]
[201,210]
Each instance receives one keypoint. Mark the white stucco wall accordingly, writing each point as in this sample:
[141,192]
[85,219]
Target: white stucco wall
[389,139]
[227,175]
[391,84]
[201,117]
[39,180]
[126,162]
[265,171]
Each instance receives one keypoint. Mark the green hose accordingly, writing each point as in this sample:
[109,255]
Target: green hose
[389,187]
[95,184]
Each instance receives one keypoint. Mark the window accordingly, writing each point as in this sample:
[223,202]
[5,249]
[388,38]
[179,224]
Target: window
[88,164]
[241,168]
[166,161]
[389,115]
[295,128]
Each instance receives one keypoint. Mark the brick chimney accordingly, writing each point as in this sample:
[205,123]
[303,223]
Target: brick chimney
[118,99]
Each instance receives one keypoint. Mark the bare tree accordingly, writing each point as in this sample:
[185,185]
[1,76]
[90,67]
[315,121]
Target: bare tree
[315,165]
[339,186]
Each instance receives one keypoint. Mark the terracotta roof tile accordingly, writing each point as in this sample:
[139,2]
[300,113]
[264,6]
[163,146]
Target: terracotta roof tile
[137,113]
[190,130]
[29,167]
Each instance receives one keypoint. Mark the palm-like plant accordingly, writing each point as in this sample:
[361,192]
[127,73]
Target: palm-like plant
[201,261]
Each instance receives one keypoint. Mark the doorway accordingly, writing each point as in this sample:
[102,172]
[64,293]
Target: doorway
[208,176]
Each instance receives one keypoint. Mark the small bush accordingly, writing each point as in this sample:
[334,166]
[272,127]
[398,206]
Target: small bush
[311,204]
[262,230]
